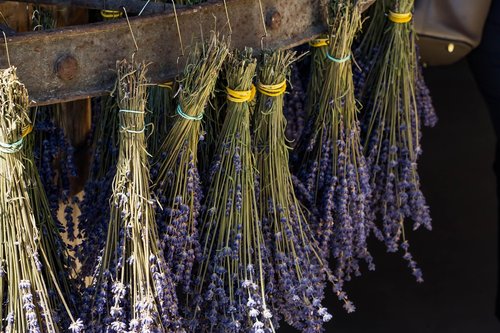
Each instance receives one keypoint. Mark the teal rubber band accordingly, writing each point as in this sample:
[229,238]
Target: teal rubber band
[337,60]
[131,111]
[11,148]
[186,116]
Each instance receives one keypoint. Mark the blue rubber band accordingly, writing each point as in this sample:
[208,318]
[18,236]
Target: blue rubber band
[337,60]
[186,116]
[11,148]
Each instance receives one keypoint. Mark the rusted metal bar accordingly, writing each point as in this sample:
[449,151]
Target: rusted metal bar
[78,62]
[132,6]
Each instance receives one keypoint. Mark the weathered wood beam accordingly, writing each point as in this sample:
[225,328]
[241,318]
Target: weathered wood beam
[79,61]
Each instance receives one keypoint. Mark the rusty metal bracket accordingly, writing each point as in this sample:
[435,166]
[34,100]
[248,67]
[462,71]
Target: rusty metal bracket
[78,62]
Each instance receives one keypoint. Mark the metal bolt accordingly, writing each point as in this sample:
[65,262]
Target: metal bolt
[66,67]
[274,20]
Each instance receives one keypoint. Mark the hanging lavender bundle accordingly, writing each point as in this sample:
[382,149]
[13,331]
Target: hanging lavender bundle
[94,207]
[367,51]
[393,132]
[336,170]
[178,182]
[299,268]
[28,282]
[133,287]
[230,294]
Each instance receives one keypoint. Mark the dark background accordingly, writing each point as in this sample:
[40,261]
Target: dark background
[459,257]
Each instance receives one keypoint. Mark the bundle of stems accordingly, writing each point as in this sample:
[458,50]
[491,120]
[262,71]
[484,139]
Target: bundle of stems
[298,265]
[336,168]
[367,51]
[178,182]
[134,290]
[28,282]
[392,138]
[94,207]
[229,290]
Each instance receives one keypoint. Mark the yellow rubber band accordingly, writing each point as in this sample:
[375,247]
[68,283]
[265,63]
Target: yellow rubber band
[400,17]
[240,96]
[319,42]
[167,85]
[272,90]
[111,14]
[27,130]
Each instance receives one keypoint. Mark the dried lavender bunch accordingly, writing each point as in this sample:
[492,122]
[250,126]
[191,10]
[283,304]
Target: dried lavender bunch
[28,282]
[336,170]
[134,289]
[178,183]
[95,208]
[367,51]
[393,133]
[299,269]
[229,289]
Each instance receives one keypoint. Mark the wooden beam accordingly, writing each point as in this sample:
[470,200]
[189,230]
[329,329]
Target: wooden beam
[79,61]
